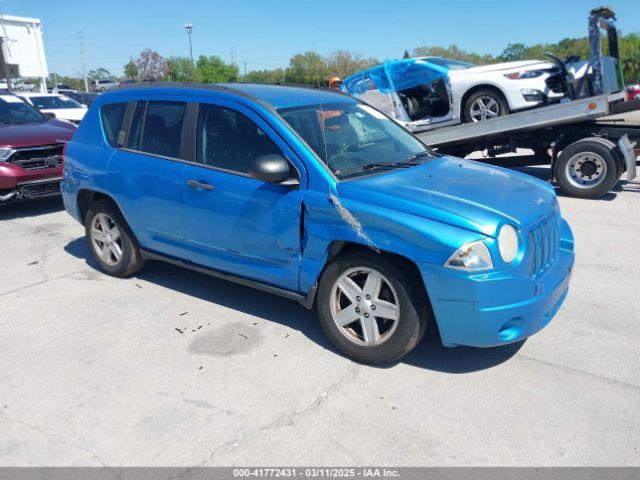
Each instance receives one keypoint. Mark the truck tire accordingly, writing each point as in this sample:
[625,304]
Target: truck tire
[484,104]
[588,168]
[369,309]
[111,241]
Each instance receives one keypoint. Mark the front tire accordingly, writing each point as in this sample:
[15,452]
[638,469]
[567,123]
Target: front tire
[369,309]
[111,241]
[484,105]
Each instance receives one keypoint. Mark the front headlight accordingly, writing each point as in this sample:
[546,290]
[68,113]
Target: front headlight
[471,257]
[5,154]
[508,243]
[524,74]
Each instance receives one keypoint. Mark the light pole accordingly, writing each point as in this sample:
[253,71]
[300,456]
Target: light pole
[189,28]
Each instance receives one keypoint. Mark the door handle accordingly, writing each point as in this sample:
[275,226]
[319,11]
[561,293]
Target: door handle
[201,185]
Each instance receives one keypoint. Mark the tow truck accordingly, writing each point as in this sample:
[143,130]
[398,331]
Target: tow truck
[583,137]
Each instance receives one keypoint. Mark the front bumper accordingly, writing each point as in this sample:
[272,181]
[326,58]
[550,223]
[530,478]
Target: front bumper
[497,308]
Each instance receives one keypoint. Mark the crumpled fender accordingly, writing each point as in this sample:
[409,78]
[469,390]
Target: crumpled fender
[328,219]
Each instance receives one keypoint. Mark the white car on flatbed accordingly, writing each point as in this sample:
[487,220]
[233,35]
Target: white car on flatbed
[60,106]
[424,91]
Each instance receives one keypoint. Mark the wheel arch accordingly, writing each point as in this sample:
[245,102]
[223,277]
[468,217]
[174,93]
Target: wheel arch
[337,248]
[87,197]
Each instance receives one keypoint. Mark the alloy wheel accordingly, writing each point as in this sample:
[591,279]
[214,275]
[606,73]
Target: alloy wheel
[483,108]
[365,306]
[106,239]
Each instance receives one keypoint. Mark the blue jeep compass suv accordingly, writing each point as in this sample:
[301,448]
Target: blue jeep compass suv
[317,197]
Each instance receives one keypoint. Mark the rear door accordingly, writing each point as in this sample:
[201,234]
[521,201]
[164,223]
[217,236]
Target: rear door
[233,222]
[145,174]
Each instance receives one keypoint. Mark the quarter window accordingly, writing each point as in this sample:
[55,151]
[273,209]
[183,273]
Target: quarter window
[156,127]
[112,116]
[229,140]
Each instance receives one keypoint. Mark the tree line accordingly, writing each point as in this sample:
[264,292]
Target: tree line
[311,68]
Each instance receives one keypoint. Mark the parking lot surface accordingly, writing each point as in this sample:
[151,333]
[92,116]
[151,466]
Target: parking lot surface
[171,367]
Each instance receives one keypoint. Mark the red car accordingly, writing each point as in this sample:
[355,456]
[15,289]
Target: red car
[633,92]
[31,146]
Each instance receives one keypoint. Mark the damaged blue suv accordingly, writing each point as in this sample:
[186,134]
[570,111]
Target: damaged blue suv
[317,197]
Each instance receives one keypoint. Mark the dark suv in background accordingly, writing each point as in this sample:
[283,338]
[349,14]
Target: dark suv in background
[31,146]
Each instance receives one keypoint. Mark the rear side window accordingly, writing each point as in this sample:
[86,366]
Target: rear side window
[112,116]
[156,127]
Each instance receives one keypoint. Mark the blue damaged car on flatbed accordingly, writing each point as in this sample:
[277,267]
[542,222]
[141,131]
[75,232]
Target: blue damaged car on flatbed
[314,196]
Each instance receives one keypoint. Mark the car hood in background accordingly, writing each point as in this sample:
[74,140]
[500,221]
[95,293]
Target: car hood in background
[458,192]
[31,134]
[73,114]
[497,67]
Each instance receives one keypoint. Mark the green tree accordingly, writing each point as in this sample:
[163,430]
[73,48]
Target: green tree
[213,69]
[513,52]
[73,82]
[99,74]
[343,63]
[630,57]
[265,76]
[131,70]
[150,64]
[307,68]
[455,53]
[180,69]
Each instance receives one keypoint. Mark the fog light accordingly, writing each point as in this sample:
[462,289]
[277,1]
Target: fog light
[510,330]
[533,95]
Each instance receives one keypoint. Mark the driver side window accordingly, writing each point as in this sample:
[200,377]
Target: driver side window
[229,140]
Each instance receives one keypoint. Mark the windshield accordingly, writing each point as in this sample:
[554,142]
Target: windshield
[14,111]
[353,138]
[449,64]
[53,103]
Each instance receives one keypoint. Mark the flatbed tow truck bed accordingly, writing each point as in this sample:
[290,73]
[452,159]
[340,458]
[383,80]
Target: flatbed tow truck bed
[588,154]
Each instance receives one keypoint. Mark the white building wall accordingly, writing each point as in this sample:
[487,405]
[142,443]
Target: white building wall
[23,46]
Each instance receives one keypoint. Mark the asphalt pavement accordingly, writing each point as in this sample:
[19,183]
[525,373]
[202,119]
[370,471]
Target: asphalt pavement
[175,368]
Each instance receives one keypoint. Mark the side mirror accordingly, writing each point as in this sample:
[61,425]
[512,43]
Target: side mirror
[49,114]
[270,168]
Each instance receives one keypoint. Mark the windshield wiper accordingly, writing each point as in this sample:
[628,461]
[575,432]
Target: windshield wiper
[410,161]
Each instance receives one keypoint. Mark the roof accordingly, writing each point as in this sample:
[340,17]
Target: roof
[23,20]
[281,96]
[276,96]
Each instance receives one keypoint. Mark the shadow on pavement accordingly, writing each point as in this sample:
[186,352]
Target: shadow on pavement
[429,354]
[31,208]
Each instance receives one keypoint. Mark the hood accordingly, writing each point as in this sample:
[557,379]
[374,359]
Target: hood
[35,134]
[496,67]
[75,114]
[458,192]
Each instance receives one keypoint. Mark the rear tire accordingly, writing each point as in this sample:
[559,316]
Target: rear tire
[483,105]
[113,245]
[588,168]
[384,316]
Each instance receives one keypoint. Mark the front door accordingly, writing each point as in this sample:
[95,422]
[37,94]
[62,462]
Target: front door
[232,222]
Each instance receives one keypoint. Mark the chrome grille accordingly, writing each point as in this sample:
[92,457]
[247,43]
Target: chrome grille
[38,158]
[544,243]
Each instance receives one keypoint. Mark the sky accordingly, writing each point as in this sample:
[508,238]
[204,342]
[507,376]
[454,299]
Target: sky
[265,34]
